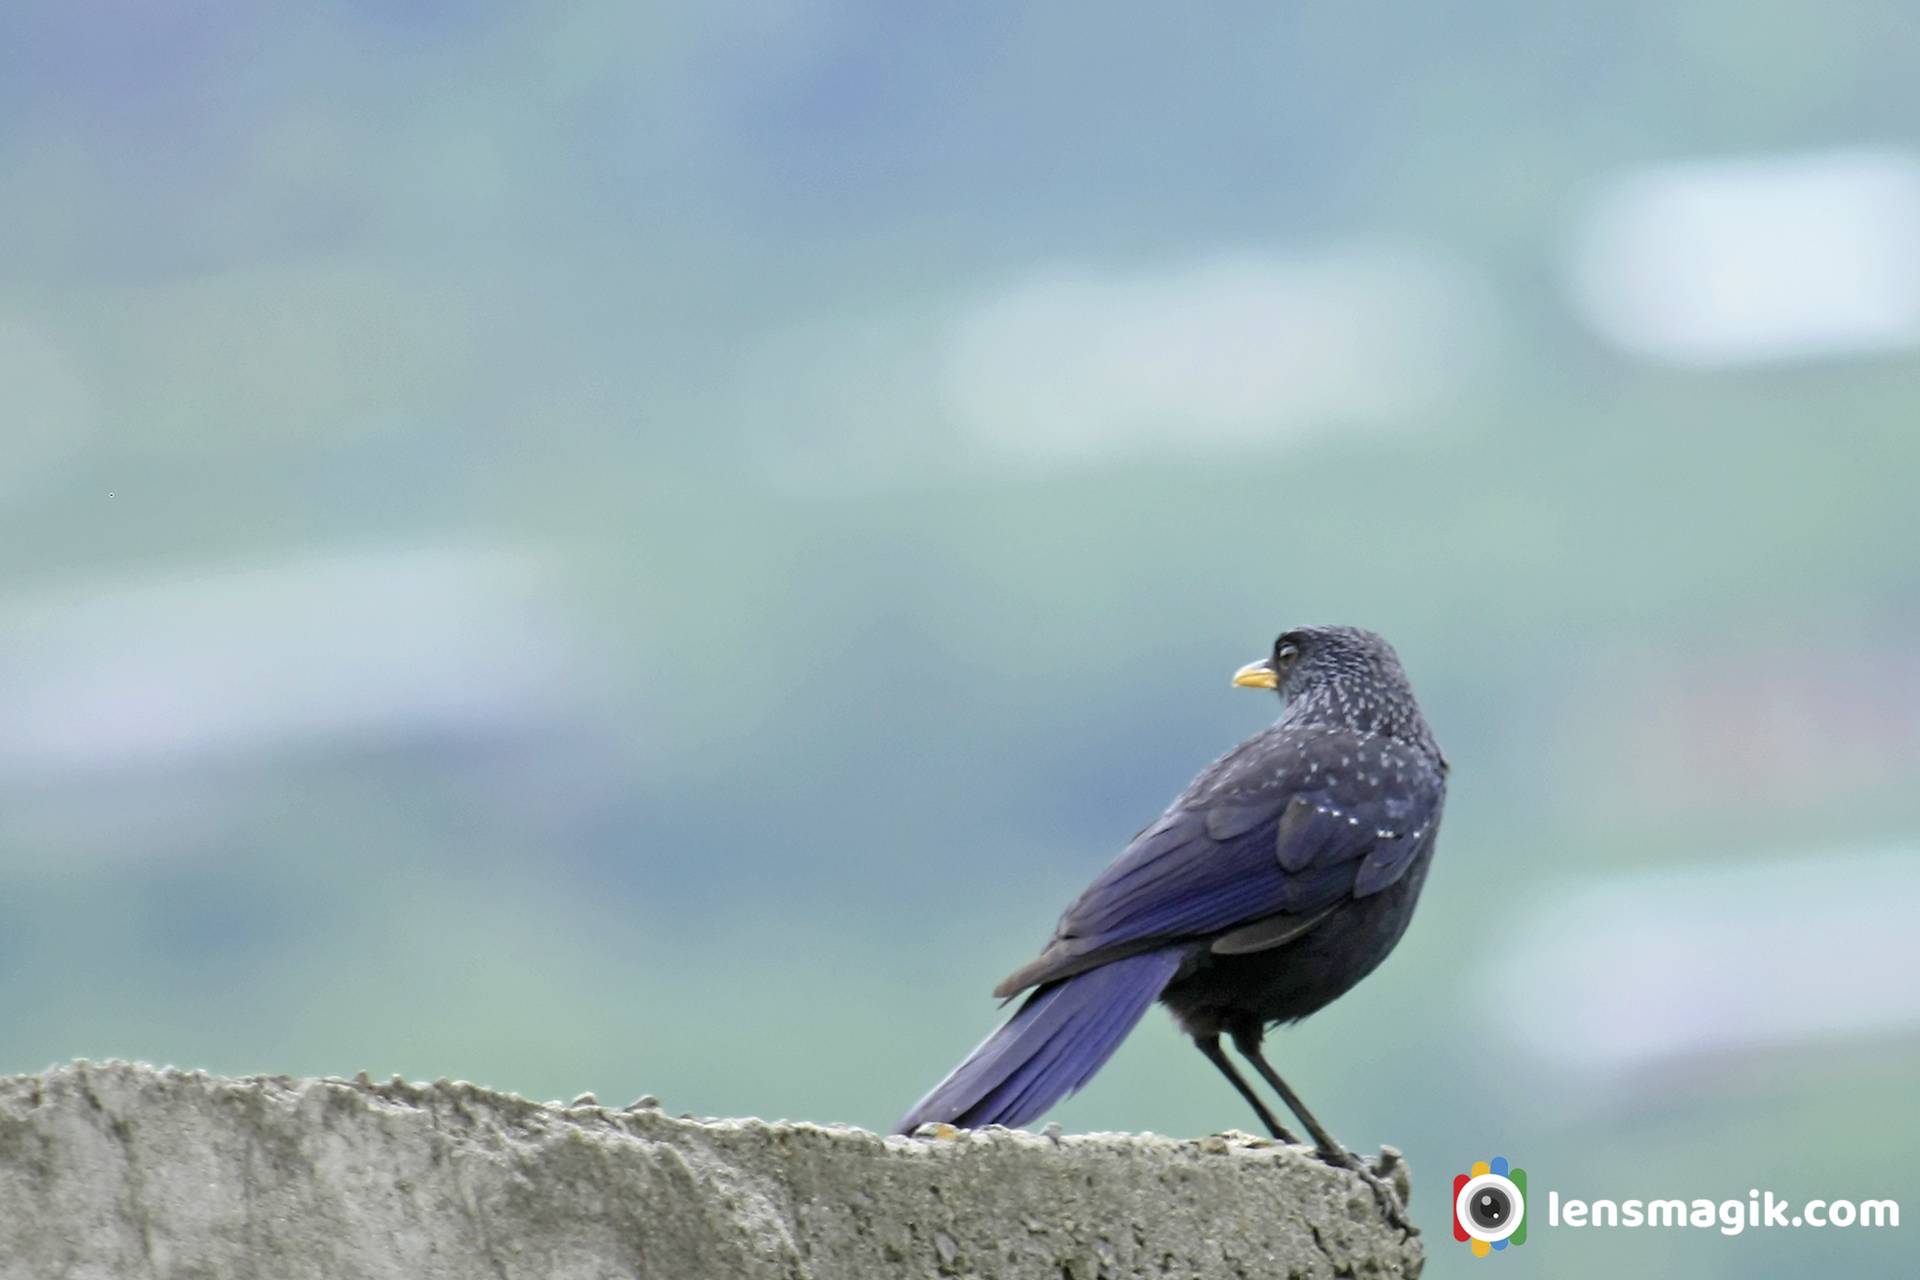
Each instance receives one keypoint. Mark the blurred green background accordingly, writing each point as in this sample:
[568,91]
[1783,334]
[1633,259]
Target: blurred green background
[645,549]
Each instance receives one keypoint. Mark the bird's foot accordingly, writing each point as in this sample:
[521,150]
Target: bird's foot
[1388,1190]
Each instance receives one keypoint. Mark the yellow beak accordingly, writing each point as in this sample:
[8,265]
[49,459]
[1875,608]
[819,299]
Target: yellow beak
[1257,675]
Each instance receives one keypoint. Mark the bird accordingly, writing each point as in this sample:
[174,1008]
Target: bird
[1284,874]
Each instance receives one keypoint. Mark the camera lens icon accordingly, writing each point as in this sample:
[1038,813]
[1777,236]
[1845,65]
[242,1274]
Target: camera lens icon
[1490,1206]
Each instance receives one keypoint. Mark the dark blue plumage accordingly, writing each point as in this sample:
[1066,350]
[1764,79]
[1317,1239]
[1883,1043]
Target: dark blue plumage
[1277,880]
[1062,1035]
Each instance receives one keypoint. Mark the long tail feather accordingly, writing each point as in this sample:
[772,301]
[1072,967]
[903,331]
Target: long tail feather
[1063,1034]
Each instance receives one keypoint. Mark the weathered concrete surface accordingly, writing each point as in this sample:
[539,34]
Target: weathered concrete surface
[128,1172]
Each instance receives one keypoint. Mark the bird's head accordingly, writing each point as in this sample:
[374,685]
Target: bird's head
[1337,675]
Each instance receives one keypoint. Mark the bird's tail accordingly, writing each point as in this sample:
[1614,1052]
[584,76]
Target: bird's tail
[1063,1034]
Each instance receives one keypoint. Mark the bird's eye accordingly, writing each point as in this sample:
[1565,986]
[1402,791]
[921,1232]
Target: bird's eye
[1286,653]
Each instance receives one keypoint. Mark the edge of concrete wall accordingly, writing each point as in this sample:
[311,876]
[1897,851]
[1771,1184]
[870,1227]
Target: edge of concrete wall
[124,1170]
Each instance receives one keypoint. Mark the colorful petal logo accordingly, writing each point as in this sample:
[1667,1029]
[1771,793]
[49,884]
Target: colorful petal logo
[1490,1206]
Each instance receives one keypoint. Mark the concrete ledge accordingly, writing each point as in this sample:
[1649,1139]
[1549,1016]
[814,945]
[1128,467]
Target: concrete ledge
[125,1171]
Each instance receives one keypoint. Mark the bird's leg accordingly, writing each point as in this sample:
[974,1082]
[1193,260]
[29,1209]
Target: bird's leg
[1330,1150]
[1249,1047]
[1210,1045]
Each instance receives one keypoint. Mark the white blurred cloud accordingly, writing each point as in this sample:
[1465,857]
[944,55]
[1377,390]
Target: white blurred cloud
[228,659]
[1665,966]
[1729,262]
[1066,365]
[1243,349]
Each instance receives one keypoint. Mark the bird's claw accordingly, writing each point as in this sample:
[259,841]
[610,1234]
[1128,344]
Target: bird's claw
[1392,1207]
[1396,1213]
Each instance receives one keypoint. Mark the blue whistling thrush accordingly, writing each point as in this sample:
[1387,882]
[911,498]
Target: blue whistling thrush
[1277,880]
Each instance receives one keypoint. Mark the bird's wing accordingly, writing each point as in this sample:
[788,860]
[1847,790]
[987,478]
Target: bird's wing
[1276,834]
